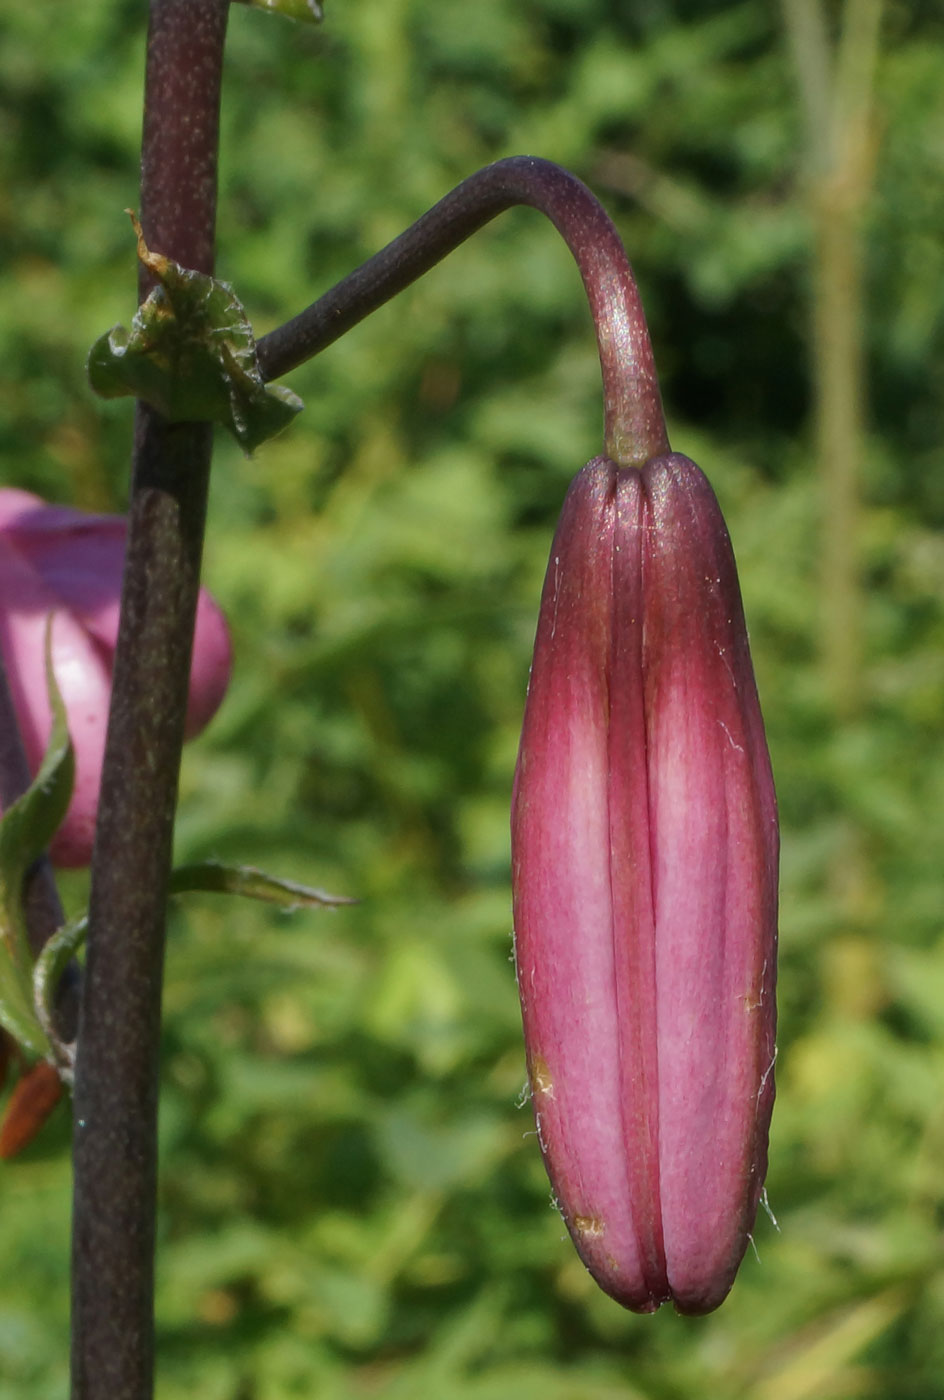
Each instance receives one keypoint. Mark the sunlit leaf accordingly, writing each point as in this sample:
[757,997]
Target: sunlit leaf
[216,878]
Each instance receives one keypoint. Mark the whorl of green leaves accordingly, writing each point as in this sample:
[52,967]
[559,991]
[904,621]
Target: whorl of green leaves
[191,354]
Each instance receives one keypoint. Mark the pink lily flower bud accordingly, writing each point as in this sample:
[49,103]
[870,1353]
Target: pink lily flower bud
[57,560]
[645,853]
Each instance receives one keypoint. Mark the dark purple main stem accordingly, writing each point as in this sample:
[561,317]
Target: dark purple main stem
[634,424]
[116,1079]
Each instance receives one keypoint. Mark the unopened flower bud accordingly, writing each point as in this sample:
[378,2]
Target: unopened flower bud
[57,560]
[645,850]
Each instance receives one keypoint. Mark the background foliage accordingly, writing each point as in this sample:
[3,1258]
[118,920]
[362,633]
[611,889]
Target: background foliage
[353,1202]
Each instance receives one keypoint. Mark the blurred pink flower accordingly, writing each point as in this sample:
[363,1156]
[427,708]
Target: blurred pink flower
[644,852]
[57,560]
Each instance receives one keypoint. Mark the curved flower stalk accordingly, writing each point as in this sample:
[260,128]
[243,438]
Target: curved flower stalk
[644,852]
[644,834]
[57,560]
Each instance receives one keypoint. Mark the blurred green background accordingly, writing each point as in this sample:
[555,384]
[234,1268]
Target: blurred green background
[352,1199]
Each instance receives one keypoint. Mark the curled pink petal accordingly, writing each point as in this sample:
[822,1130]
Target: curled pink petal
[55,560]
[644,851]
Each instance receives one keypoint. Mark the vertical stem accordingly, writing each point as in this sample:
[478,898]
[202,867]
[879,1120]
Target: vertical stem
[835,85]
[840,437]
[836,88]
[805,24]
[117,1063]
[839,199]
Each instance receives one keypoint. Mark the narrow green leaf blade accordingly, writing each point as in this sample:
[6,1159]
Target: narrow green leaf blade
[30,823]
[17,1013]
[217,878]
[308,10]
[26,829]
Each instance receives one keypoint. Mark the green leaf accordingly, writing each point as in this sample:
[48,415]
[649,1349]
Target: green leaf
[309,10]
[216,878]
[51,964]
[191,354]
[25,831]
